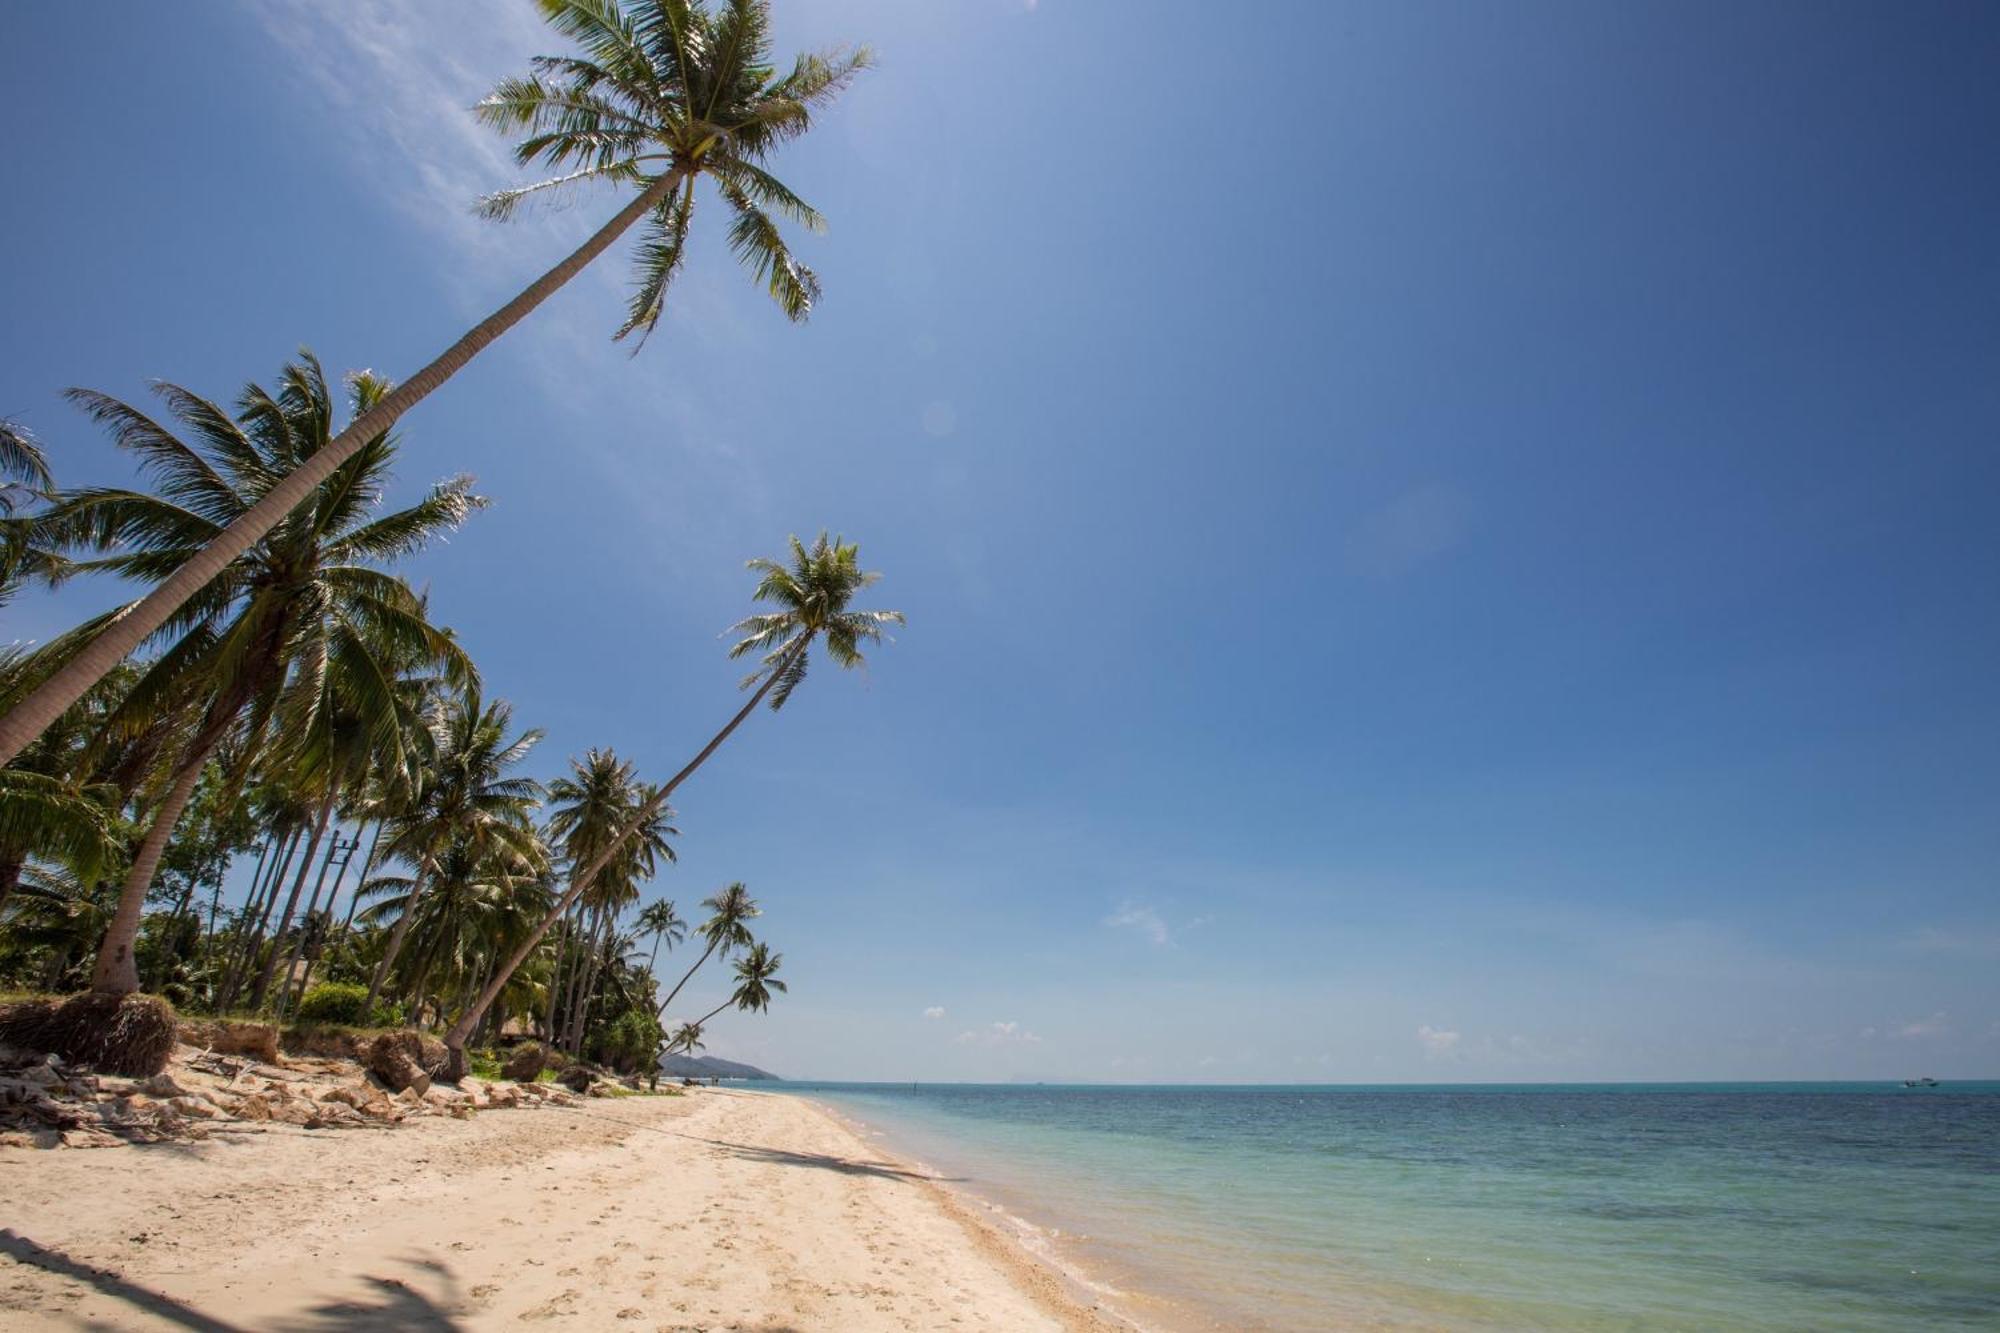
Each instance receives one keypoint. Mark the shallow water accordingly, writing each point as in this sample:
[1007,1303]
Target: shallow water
[1761,1206]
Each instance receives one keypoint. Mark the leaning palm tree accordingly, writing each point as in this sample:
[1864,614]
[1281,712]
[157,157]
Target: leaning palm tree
[310,592]
[726,930]
[812,592]
[656,95]
[756,978]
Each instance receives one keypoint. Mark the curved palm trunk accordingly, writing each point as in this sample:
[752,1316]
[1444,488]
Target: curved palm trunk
[48,701]
[455,1038]
[292,902]
[117,969]
[685,978]
[579,1016]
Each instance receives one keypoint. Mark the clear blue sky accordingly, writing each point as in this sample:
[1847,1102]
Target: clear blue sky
[1441,541]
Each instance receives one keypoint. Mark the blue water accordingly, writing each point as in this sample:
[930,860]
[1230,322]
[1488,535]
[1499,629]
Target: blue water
[1757,1206]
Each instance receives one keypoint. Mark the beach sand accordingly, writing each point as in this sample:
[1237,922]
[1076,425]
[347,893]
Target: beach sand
[722,1209]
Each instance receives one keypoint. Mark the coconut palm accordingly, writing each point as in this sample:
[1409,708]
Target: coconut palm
[464,797]
[24,478]
[662,922]
[53,801]
[756,978]
[655,95]
[309,592]
[590,809]
[726,930]
[812,592]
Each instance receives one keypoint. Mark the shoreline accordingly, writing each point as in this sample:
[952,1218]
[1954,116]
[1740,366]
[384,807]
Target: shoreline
[722,1208]
[1028,1249]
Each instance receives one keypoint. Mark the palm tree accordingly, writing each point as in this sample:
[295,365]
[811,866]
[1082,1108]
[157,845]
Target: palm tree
[658,94]
[24,477]
[591,808]
[756,978]
[726,930]
[662,922]
[53,801]
[813,591]
[309,592]
[464,797]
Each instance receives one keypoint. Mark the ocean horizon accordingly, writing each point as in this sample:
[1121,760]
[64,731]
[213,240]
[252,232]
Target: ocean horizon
[1770,1205]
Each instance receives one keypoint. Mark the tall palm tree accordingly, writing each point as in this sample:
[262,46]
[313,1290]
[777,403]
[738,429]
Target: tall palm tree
[756,978]
[656,95]
[465,796]
[813,592]
[590,810]
[663,922]
[310,591]
[726,930]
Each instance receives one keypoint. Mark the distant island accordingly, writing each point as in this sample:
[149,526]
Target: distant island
[709,1066]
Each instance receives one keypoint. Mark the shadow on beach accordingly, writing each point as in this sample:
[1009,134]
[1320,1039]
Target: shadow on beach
[846,1166]
[392,1304]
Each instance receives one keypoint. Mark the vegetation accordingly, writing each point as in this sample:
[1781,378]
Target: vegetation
[291,700]
[654,96]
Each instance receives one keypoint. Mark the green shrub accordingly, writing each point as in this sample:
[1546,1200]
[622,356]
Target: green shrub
[334,1003]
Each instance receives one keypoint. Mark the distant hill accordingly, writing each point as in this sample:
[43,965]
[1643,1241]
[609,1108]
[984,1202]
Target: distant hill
[709,1066]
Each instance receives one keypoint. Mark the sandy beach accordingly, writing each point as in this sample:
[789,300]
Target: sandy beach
[722,1209]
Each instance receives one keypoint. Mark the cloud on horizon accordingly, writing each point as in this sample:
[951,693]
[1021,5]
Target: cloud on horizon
[935,1011]
[996,1034]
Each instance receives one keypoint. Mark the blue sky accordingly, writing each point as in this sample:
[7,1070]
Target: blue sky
[1441,541]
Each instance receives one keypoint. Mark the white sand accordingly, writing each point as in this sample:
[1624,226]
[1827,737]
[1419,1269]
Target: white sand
[718,1210]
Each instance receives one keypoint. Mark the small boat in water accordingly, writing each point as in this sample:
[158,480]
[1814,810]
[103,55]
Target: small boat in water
[1925,1082]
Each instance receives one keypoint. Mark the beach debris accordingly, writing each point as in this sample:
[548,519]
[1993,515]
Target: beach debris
[47,1101]
[526,1062]
[119,1034]
[406,1060]
[224,1036]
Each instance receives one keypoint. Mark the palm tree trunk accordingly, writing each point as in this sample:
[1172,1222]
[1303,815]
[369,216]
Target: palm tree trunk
[29,718]
[398,934]
[455,1038]
[215,898]
[117,971]
[10,879]
[292,903]
[305,924]
[256,912]
[579,1005]
[685,978]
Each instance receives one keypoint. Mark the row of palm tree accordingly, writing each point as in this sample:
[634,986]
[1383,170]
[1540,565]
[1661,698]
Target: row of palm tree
[294,691]
[307,697]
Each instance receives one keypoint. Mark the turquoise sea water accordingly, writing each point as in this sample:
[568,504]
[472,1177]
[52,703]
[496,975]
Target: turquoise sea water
[1760,1206]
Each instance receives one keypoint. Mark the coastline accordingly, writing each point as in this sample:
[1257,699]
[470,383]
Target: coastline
[723,1208]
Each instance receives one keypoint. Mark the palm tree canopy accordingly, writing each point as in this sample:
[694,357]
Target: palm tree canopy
[466,795]
[662,919]
[813,589]
[593,808]
[309,594]
[730,911]
[674,86]
[756,978]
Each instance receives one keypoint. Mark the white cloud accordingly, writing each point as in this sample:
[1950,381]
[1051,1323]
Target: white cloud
[996,1034]
[1934,1026]
[935,1011]
[1137,916]
[1980,944]
[1409,531]
[1438,1043]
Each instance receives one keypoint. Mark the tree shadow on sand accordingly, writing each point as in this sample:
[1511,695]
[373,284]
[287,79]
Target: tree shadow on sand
[393,1304]
[846,1166]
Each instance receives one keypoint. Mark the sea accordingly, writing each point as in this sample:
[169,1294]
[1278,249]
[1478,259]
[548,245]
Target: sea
[1591,1207]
